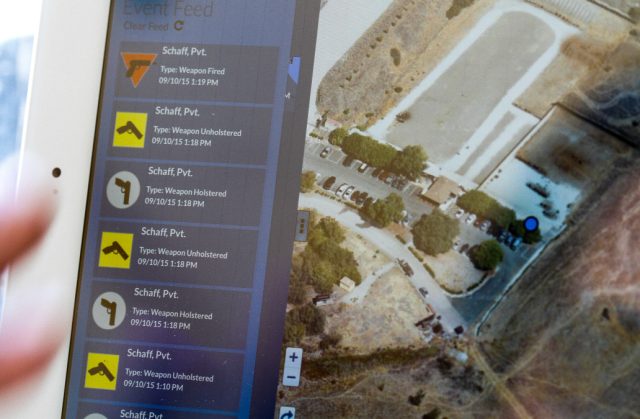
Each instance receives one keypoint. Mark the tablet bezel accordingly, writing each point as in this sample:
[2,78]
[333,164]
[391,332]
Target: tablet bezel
[60,124]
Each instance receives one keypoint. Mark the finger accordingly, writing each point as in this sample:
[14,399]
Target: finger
[30,331]
[30,334]
[24,216]
[20,229]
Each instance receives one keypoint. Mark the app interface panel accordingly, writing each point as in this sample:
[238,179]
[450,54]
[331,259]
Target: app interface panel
[183,282]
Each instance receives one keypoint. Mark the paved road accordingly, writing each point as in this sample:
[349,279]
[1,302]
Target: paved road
[472,307]
[391,247]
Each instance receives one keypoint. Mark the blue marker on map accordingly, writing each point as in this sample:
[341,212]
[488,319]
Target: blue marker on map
[531,224]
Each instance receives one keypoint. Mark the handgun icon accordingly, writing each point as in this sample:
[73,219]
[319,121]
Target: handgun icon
[112,310]
[135,65]
[125,187]
[102,370]
[116,249]
[130,128]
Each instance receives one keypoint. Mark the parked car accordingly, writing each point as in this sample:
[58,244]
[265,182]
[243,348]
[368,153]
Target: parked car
[459,214]
[516,243]
[326,152]
[376,172]
[383,175]
[464,249]
[400,183]
[485,226]
[321,299]
[456,245]
[405,267]
[328,184]
[342,189]
[471,218]
[509,239]
[348,192]
[390,179]
[502,236]
[363,167]
[424,291]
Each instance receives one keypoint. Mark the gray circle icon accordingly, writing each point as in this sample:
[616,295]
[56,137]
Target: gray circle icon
[123,190]
[109,311]
[95,416]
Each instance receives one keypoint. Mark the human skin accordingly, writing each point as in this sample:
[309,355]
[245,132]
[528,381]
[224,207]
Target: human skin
[30,331]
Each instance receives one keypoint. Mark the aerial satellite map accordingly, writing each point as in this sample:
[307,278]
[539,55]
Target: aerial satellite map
[470,177]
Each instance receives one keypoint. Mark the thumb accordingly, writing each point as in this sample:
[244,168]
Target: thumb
[24,214]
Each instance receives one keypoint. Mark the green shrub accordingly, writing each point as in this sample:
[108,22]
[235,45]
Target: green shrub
[434,233]
[487,255]
[481,204]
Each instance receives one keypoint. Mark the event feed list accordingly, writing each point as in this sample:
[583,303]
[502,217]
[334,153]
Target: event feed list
[179,228]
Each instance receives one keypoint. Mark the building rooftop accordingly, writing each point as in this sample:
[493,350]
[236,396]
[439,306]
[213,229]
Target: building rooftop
[442,190]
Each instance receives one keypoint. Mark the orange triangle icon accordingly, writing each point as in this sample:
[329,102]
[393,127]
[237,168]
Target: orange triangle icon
[137,65]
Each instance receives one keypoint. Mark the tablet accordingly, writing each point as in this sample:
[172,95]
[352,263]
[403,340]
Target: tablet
[188,123]
[454,166]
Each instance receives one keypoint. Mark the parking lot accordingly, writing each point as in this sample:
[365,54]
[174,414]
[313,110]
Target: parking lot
[332,165]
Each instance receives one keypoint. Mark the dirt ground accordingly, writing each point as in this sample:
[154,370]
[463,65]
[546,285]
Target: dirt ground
[579,56]
[566,338]
[384,319]
[369,259]
[454,272]
[392,57]
[569,150]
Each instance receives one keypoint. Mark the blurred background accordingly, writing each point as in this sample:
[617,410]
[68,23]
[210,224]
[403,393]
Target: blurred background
[18,25]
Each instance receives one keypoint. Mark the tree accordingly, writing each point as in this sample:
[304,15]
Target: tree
[297,291]
[303,321]
[326,229]
[434,233]
[481,204]
[308,182]
[417,398]
[411,162]
[330,341]
[319,272]
[312,317]
[368,150]
[324,261]
[384,212]
[529,237]
[487,255]
[337,136]
[293,332]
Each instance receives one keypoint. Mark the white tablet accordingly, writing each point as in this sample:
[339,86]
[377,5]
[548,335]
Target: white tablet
[185,121]
[461,163]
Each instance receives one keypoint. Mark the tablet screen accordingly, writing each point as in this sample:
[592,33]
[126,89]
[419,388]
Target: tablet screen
[192,210]
[410,217]
[469,175]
